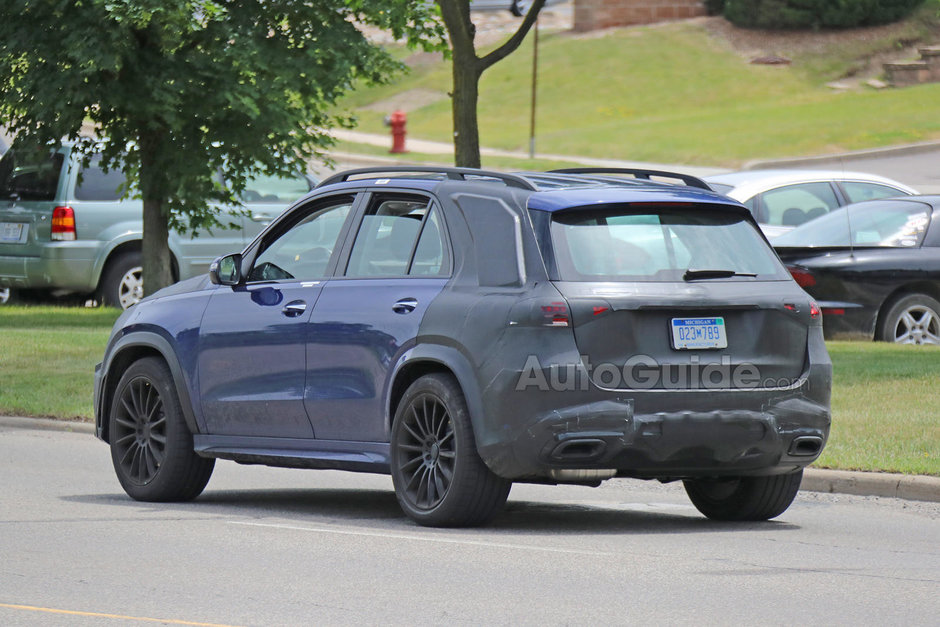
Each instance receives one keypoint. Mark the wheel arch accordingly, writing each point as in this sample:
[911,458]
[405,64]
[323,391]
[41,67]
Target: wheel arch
[428,359]
[132,348]
[130,246]
[928,288]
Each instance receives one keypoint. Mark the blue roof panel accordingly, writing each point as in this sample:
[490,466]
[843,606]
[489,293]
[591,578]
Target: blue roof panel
[557,200]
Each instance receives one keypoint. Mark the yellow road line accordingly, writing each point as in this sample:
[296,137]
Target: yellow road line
[50,610]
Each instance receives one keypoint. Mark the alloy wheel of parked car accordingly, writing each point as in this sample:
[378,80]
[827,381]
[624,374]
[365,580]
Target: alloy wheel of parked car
[122,284]
[744,498]
[439,477]
[914,319]
[151,446]
[5,294]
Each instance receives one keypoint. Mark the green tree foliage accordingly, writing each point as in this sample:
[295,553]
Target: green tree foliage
[797,14]
[180,88]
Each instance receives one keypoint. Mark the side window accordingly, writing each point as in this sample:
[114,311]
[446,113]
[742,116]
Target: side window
[387,237]
[857,192]
[429,253]
[795,204]
[304,250]
[265,188]
[96,184]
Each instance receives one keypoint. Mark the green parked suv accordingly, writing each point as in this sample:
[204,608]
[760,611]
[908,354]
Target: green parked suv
[64,228]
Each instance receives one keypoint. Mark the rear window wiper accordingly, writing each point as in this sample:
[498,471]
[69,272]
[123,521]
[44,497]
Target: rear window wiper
[695,275]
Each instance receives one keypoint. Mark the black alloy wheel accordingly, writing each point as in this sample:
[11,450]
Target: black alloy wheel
[139,431]
[440,479]
[428,451]
[151,445]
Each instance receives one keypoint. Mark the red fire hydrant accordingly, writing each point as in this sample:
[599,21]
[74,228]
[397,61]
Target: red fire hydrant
[397,121]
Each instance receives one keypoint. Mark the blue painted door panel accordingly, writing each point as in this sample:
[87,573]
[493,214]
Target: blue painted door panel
[358,328]
[252,362]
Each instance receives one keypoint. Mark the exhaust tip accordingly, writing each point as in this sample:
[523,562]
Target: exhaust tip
[805,445]
[578,449]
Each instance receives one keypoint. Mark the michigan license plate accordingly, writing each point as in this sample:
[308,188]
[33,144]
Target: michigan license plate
[13,232]
[698,333]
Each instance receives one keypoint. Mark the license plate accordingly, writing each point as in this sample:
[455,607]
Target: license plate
[13,232]
[698,333]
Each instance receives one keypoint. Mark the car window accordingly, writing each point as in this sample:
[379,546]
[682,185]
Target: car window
[430,253]
[657,246]
[387,237]
[96,184]
[882,223]
[303,251]
[793,205]
[33,175]
[265,188]
[857,191]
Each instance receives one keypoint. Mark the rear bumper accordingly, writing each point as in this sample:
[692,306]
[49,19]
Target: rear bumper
[70,266]
[664,434]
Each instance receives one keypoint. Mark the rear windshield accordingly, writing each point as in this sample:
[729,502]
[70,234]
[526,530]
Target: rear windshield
[32,175]
[660,245]
[885,223]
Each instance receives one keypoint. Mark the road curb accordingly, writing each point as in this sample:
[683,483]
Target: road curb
[47,424]
[870,153]
[889,485]
[909,487]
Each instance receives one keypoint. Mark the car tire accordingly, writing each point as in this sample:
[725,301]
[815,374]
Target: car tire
[744,498]
[912,319]
[122,283]
[7,296]
[151,446]
[439,478]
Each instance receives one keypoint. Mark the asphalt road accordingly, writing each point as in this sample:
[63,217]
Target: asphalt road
[288,547]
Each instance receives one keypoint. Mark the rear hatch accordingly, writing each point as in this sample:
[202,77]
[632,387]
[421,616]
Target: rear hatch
[671,296]
[30,183]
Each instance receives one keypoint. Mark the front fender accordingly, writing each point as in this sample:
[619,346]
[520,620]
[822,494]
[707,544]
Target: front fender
[139,342]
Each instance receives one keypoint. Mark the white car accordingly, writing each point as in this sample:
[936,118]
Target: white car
[783,199]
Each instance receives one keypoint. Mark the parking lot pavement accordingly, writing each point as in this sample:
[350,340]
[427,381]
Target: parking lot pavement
[265,546]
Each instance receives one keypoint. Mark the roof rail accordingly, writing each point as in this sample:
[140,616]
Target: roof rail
[457,174]
[639,173]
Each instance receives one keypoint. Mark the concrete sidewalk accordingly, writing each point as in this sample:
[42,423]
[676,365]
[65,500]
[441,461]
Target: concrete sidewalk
[888,485]
[443,148]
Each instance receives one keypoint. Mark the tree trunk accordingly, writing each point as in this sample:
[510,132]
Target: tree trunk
[465,95]
[157,260]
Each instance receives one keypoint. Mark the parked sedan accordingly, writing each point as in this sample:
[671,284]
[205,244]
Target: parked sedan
[783,199]
[883,282]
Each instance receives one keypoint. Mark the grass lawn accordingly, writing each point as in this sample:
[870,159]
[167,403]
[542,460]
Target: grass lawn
[885,402]
[668,93]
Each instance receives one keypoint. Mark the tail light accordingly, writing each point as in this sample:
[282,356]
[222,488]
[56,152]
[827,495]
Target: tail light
[555,314]
[63,224]
[803,277]
[814,311]
[541,313]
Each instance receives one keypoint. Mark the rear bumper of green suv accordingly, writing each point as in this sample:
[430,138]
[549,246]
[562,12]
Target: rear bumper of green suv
[68,266]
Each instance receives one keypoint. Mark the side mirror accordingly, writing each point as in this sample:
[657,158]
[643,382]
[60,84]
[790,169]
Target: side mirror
[226,270]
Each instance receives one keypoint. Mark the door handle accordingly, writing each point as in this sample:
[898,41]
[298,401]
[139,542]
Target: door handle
[294,308]
[261,217]
[405,305]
